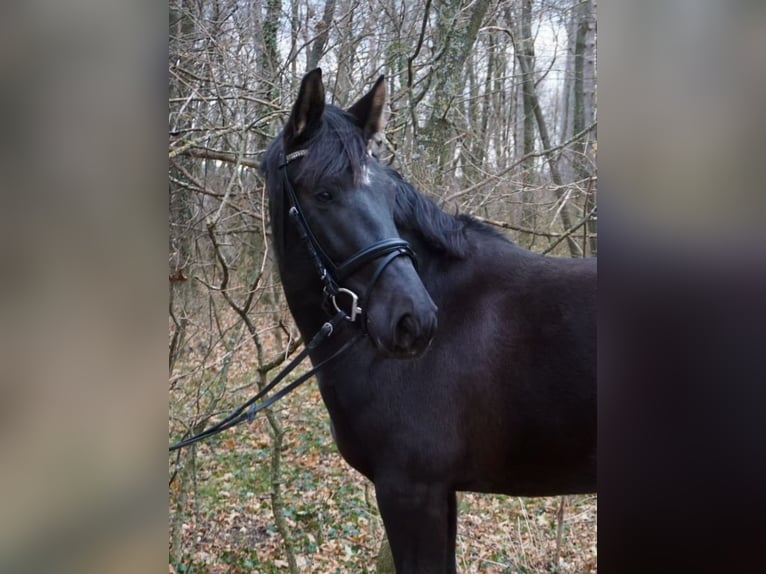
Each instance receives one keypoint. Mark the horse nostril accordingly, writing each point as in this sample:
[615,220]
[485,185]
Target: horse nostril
[406,332]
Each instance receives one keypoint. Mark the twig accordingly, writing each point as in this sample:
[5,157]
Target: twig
[570,231]
[518,162]
[221,156]
[505,225]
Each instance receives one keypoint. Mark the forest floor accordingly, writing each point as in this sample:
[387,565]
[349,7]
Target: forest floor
[227,525]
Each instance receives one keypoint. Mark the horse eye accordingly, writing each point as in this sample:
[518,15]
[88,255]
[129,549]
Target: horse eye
[323,196]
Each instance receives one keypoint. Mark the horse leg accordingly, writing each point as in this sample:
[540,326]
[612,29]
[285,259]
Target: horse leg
[416,517]
[451,532]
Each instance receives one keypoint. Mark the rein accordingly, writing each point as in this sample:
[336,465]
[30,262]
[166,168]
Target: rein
[330,274]
[240,415]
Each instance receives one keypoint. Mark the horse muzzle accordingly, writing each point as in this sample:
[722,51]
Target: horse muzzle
[407,334]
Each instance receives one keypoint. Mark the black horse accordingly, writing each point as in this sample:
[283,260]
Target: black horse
[477,370]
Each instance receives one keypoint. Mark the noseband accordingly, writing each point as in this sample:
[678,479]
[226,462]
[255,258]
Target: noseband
[332,274]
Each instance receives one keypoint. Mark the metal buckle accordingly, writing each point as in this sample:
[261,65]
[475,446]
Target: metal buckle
[355,310]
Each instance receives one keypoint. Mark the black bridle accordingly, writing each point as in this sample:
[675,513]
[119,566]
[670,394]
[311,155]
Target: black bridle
[332,276]
[241,415]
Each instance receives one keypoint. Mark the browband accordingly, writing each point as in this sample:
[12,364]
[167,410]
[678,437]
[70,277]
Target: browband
[296,154]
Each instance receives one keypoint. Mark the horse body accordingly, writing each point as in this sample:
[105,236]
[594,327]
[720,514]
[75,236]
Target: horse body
[499,397]
[503,400]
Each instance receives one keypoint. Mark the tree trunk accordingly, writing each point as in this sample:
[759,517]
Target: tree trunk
[456,39]
[322,32]
[589,113]
[523,56]
[269,64]
[526,52]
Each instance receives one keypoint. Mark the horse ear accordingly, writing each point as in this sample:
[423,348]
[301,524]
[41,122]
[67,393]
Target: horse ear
[307,110]
[368,111]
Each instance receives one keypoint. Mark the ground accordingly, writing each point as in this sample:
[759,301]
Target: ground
[227,524]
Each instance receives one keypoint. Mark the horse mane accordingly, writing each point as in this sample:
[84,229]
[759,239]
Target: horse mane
[418,214]
[445,233]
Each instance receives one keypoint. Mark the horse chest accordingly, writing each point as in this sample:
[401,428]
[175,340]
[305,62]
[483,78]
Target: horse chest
[349,428]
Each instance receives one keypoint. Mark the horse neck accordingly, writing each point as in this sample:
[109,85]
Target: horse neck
[432,265]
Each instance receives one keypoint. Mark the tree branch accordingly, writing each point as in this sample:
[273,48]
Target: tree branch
[571,230]
[504,225]
[227,157]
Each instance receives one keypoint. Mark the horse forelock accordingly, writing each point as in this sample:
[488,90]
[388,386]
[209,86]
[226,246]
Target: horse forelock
[336,148]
